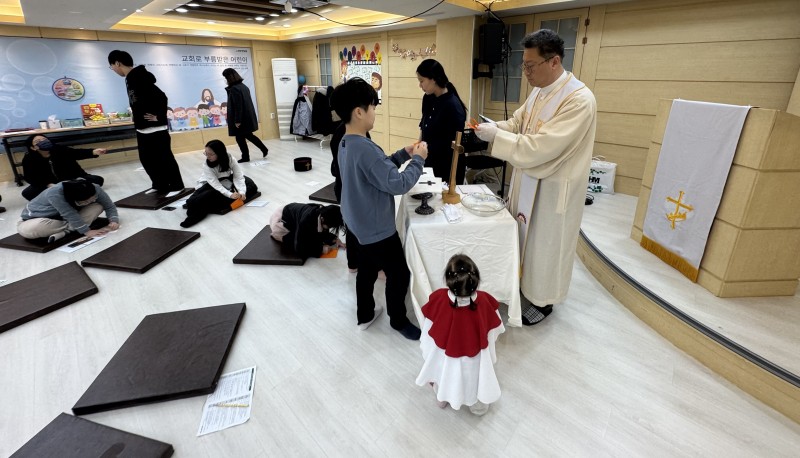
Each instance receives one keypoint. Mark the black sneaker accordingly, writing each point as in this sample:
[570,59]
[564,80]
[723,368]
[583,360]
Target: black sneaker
[264,152]
[410,332]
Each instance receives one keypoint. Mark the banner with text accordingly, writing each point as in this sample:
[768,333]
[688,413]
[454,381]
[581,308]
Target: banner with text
[43,77]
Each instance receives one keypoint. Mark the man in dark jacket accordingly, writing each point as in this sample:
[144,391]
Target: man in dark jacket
[46,164]
[149,106]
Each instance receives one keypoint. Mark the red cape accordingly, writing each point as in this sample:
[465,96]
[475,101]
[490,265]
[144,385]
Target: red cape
[460,331]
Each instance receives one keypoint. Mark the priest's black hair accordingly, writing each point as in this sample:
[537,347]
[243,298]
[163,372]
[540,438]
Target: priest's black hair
[547,42]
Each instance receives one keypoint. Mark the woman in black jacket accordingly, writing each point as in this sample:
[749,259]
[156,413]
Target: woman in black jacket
[242,119]
[311,229]
[443,115]
[46,164]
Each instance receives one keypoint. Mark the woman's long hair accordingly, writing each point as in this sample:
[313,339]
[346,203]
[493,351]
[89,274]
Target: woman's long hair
[432,69]
[223,159]
[232,76]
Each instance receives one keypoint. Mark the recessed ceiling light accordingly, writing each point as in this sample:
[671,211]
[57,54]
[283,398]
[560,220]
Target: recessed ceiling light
[274,14]
[124,9]
[249,19]
[260,18]
[210,22]
[287,25]
[194,5]
[82,28]
[323,19]
[326,10]
[139,11]
[167,9]
[161,33]
[181,10]
[294,10]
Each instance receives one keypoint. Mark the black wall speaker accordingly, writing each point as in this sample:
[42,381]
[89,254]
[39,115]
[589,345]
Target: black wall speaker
[490,42]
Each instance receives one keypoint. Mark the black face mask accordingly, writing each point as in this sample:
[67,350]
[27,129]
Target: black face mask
[46,145]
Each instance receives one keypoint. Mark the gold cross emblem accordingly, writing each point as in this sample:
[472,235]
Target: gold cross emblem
[677,215]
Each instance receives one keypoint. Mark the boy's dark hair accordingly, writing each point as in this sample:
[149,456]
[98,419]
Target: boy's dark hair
[547,42]
[232,76]
[223,161]
[78,190]
[202,106]
[332,217]
[354,93]
[120,56]
[462,277]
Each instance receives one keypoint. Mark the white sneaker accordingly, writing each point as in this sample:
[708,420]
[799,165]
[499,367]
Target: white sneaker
[151,191]
[56,237]
[173,193]
[364,326]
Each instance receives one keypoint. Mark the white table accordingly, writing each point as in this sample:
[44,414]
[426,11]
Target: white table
[429,241]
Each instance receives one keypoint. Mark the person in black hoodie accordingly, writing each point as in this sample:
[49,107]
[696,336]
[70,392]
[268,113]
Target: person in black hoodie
[149,106]
[311,229]
[47,163]
[242,119]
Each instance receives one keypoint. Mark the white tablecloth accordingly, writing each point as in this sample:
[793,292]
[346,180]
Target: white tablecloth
[429,242]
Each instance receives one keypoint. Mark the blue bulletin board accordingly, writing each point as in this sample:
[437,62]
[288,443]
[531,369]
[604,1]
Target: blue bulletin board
[29,67]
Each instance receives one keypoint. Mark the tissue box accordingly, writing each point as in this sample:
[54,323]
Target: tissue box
[53,124]
[72,122]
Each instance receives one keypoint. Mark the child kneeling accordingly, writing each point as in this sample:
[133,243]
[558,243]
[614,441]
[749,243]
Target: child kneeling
[311,229]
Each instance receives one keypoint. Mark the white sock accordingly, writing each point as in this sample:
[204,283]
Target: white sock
[150,191]
[173,193]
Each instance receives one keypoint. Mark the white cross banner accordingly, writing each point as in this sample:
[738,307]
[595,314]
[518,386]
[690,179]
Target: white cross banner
[696,155]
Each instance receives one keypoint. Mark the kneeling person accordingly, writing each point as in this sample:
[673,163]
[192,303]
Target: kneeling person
[311,229]
[65,207]
[221,183]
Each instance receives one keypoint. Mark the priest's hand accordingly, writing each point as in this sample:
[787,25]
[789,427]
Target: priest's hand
[486,131]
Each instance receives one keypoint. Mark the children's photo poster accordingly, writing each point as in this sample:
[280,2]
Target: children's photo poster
[191,76]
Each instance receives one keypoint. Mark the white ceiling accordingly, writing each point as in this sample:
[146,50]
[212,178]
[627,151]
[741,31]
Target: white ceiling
[103,14]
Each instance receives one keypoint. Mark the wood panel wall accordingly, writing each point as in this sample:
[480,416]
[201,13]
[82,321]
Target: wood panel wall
[743,52]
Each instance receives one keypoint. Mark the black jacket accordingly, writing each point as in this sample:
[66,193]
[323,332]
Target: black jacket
[321,117]
[145,97]
[442,118]
[241,110]
[302,220]
[62,165]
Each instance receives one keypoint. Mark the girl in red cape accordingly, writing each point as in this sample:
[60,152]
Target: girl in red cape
[458,338]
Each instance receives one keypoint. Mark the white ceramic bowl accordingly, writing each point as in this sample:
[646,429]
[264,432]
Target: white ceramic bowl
[482,204]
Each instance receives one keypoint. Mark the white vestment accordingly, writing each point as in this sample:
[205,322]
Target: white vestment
[549,141]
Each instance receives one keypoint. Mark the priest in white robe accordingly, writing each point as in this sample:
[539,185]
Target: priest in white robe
[549,142]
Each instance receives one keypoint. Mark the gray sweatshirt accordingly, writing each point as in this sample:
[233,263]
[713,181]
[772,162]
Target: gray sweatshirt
[52,204]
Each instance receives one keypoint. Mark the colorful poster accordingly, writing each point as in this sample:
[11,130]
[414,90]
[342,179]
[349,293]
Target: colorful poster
[363,63]
[68,89]
[191,76]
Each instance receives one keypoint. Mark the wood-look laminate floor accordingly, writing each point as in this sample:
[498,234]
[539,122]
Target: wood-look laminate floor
[592,380]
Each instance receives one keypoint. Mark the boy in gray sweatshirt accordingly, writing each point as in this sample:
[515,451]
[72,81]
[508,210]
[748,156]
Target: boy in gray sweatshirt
[370,180]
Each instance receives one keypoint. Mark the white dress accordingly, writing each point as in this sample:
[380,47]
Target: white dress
[458,345]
